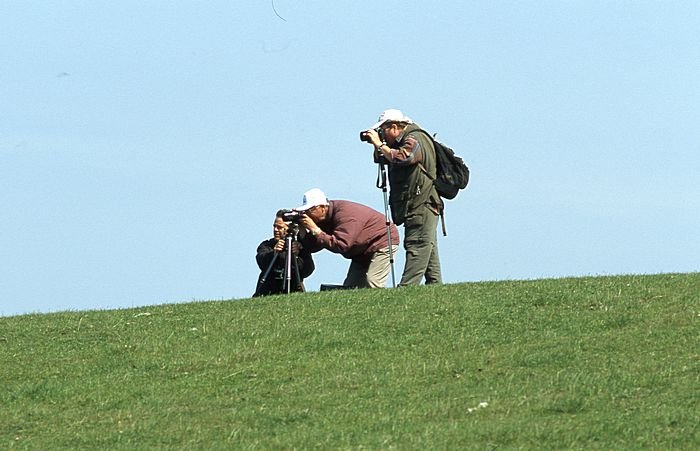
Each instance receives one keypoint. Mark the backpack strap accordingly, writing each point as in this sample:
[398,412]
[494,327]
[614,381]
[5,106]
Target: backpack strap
[442,221]
[420,165]
[425,171]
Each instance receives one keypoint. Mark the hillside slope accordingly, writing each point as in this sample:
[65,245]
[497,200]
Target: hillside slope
[608,362]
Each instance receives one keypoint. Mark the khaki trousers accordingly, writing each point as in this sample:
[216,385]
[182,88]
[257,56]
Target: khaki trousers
[420,242]
[373,275]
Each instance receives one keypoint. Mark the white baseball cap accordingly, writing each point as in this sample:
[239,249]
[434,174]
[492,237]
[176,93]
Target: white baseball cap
[313,198]
[393,116]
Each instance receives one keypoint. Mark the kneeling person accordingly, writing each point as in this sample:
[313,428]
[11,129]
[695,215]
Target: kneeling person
[273,252]
[355,231]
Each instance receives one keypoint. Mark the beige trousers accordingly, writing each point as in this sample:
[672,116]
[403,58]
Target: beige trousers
[373,275]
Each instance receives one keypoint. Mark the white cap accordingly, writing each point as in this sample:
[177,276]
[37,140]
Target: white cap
[393,116]
[313,198]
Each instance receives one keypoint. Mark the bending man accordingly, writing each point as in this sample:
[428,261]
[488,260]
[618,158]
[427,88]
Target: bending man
[355,231]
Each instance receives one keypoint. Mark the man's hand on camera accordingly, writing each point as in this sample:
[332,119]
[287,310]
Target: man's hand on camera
[309,224]
[374,138]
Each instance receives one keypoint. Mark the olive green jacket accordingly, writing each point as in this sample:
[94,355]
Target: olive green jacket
[411,188]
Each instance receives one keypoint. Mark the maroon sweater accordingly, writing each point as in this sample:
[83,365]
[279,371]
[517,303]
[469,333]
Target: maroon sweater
[353,230]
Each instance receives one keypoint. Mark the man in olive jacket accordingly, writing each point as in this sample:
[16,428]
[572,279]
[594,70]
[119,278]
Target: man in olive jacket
[413,199]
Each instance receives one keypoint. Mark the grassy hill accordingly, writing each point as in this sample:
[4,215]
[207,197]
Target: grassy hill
[596,363]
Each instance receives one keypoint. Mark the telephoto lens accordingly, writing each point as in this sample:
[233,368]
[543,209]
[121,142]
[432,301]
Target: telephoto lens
[364,136]
[292,217]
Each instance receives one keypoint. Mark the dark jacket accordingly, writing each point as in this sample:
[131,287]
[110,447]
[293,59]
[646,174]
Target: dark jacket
[353,230]
[410,187]
[274,283]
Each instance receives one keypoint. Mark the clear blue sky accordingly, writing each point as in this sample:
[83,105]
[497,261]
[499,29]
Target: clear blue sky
[145,146]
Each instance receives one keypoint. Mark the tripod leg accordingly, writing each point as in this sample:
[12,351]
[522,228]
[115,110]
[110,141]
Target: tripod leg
[382,185]
[391,255]
[298,276]
[288,265]
[269,268]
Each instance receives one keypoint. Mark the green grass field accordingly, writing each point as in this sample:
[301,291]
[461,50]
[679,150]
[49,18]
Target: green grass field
[580,363]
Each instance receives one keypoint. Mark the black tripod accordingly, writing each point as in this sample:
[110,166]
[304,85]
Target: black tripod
[381,183]
[291,237]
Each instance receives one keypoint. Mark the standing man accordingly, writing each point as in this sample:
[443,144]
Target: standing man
[355,231]
[413,199]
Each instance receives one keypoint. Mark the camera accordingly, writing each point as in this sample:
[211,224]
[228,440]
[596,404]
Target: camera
[364,136]
[292,216]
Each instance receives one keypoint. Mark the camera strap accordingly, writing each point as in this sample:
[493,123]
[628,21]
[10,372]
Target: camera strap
[381,176]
